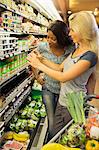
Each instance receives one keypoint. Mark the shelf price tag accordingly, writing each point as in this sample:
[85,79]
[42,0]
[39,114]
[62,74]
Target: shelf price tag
[11,55]
[18,74]
[7,56]
[3,110]
[26,85]
[18,94]
[1,124]
[13,100]
[1,132]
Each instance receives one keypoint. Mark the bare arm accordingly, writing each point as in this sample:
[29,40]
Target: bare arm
[48,63]
[52,65]
[91,84]
[95,102]
[97,79]
[96,91]
[77,69]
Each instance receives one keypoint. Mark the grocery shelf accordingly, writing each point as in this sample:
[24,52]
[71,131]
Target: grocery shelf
[38,34]
[16,86]
[13,76]
[20,14]
[1,125]
[22,33]
[17,91]
[21,100]
[1,131]
[14,53]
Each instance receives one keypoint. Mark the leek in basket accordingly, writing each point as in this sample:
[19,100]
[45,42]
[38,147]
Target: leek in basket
[75,105]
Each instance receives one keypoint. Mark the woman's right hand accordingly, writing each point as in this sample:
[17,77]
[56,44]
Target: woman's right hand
[33,60]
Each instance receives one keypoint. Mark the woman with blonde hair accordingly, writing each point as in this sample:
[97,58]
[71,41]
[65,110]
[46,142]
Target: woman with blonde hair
[76,69]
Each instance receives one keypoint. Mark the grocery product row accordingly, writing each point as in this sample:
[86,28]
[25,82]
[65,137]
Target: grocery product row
[15,23]
[24,9]
[22,113]
[13,60]
[25,122]
[21,18]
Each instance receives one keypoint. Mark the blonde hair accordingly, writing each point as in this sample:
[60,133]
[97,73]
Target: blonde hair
[85,23]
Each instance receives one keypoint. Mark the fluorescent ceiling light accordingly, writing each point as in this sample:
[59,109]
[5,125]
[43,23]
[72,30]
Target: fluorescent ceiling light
[47,7]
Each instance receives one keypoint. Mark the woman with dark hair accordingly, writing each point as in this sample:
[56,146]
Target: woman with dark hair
[61,32]
[56,49]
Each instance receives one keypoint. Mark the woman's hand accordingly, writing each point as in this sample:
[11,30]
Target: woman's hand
[39,56]
[95,103]
[40,78]
[33,60]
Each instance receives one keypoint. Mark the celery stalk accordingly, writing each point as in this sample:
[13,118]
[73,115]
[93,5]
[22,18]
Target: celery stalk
[81,98]
[70,107]
[77,108]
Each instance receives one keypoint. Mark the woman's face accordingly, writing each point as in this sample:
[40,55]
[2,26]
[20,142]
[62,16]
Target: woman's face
[75,36]
[51,38]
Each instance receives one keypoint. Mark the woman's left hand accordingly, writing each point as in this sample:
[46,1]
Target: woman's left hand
[33,60]
[95,103]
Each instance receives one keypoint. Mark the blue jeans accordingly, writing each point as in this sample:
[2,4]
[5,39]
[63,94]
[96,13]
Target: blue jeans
[50,101]
[62,117]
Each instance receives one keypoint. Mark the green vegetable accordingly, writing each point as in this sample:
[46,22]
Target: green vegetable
[70,106]
[64,139]
[23,124]
[32,104]
[34,117]
[74,137]
[32,124]
[75,105]
[12,126]
[24,114]
[42,112]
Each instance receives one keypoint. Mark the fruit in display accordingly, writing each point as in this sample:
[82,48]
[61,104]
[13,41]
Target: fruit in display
[56,146]
[74,137]
[21,136]
[92,145]
[9,135]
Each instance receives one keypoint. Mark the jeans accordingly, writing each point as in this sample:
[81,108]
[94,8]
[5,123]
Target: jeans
[62,117]
[50,101]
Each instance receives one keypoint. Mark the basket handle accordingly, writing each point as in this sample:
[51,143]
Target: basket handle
[88,97]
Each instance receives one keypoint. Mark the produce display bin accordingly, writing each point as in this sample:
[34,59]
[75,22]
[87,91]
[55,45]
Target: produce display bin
[36,93]
[38,141]
[58,136]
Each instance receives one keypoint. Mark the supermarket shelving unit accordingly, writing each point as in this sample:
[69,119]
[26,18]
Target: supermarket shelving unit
[22,89]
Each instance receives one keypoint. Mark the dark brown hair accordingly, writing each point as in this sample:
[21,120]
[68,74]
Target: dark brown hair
[61,31]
